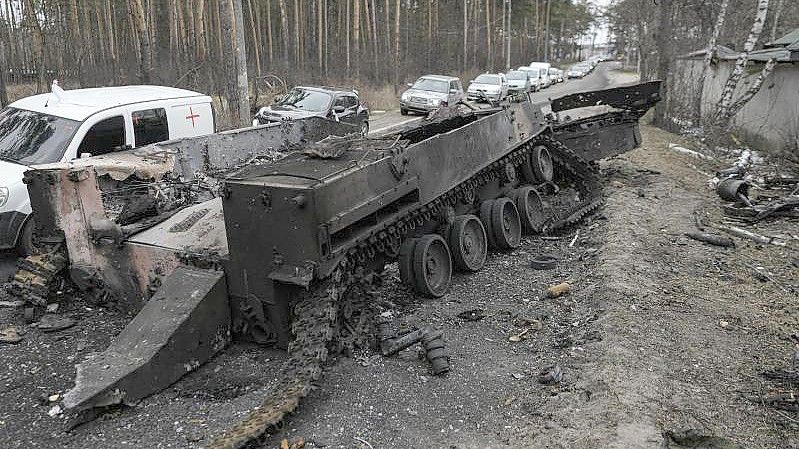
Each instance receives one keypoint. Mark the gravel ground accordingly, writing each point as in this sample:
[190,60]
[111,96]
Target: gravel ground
[660,334]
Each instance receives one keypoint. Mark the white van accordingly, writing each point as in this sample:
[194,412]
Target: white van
[64,125]
[544,67]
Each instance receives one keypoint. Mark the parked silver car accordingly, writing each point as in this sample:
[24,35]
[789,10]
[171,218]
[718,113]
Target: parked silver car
[488,86]
[519,82]
[431,92]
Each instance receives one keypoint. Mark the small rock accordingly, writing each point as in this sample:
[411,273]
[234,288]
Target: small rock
[10,335]
[559,290]
[723,323]
[550,375]
[56,410]
[53,323]
[54,397]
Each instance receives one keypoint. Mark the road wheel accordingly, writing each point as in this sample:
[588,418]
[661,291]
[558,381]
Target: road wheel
[485,218]
[531,209]
[365,128]
[468,243]
[505,224]
[25,246]
[403,111]
[432,266]
[538,166]
[405,261]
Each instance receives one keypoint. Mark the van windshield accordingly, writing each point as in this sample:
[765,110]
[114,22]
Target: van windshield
[29,138]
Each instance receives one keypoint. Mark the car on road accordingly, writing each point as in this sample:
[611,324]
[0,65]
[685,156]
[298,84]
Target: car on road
[519,82]
[556,75]
[544,67]
[65,125]
[535,77]
[488,86]
[578,70]
[430,92]
[302,101]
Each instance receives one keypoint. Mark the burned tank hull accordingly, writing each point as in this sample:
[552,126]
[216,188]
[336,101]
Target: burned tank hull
[307,235]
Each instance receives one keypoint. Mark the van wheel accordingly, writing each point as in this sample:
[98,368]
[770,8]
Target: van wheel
[364,128]
[25,246]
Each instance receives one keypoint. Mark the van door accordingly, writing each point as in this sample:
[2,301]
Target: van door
[149,126]
[104,136]
[190,119]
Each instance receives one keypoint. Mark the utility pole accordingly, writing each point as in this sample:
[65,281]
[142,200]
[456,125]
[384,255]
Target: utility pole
[242,85]
[507,59]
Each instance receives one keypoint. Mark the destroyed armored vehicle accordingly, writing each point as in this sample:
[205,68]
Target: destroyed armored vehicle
[301,238]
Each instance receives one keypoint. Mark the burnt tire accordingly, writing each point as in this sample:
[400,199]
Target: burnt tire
[405,261]
[468,243]
[531,209]
[25,244]
[485,218]
[506,227]
[432,266]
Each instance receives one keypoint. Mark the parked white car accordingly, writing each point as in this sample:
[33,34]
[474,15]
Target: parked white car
[556,75]
[65,125]
[535,77]
[488,86]
[544,68]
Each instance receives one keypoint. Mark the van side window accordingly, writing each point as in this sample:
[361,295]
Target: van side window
[150,126]
[104,137]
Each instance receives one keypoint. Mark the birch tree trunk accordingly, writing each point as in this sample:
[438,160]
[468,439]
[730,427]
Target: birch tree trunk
[712,47]
[723,107]
[139,25]
[776,19]
[242,85]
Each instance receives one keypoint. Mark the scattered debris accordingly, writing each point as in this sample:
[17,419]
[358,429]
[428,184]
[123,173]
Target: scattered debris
[713,239]
[472,315]
[544,262]
[734,190]
[574,240]
[52,323]
[52,308]
[298,443]
[551,375]
[559,290]
[10,335]
[692,153]
[744,234]
[432,341]
[520,336]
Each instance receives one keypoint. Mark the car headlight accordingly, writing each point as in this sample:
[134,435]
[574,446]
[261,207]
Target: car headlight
[405,96]
[435,101]
[3,196]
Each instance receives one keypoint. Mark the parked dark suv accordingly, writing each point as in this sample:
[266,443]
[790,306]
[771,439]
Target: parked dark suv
[301,102]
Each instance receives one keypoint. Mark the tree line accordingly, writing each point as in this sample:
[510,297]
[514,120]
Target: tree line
[189,43]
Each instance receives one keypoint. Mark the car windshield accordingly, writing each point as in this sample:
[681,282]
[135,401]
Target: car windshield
[553,71]
[487,79]
[431,85]
[517,75]
[533,72]
[28,137]
[307,100]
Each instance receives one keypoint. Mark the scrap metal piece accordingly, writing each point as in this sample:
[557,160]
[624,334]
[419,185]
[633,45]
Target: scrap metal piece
[34,276]
[638,97]
[436,351]
[185,323]
[734,190]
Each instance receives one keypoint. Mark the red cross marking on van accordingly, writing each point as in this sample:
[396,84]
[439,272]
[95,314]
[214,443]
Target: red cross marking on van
[192,116]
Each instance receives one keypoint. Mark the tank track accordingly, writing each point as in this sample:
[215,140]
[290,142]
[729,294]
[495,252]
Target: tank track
[36,275]
[318,314]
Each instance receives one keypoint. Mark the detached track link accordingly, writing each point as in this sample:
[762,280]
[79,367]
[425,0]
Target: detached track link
[315,325]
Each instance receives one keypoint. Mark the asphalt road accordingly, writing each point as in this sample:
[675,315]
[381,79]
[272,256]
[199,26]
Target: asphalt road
[383,121]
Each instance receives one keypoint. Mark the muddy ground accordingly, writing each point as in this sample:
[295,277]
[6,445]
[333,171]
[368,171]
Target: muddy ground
[660,335]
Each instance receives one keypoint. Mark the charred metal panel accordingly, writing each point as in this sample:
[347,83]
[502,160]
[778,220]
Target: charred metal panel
[639,97]
[183,325]
[601,136]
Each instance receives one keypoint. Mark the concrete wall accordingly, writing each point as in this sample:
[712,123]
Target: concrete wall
[770,121]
